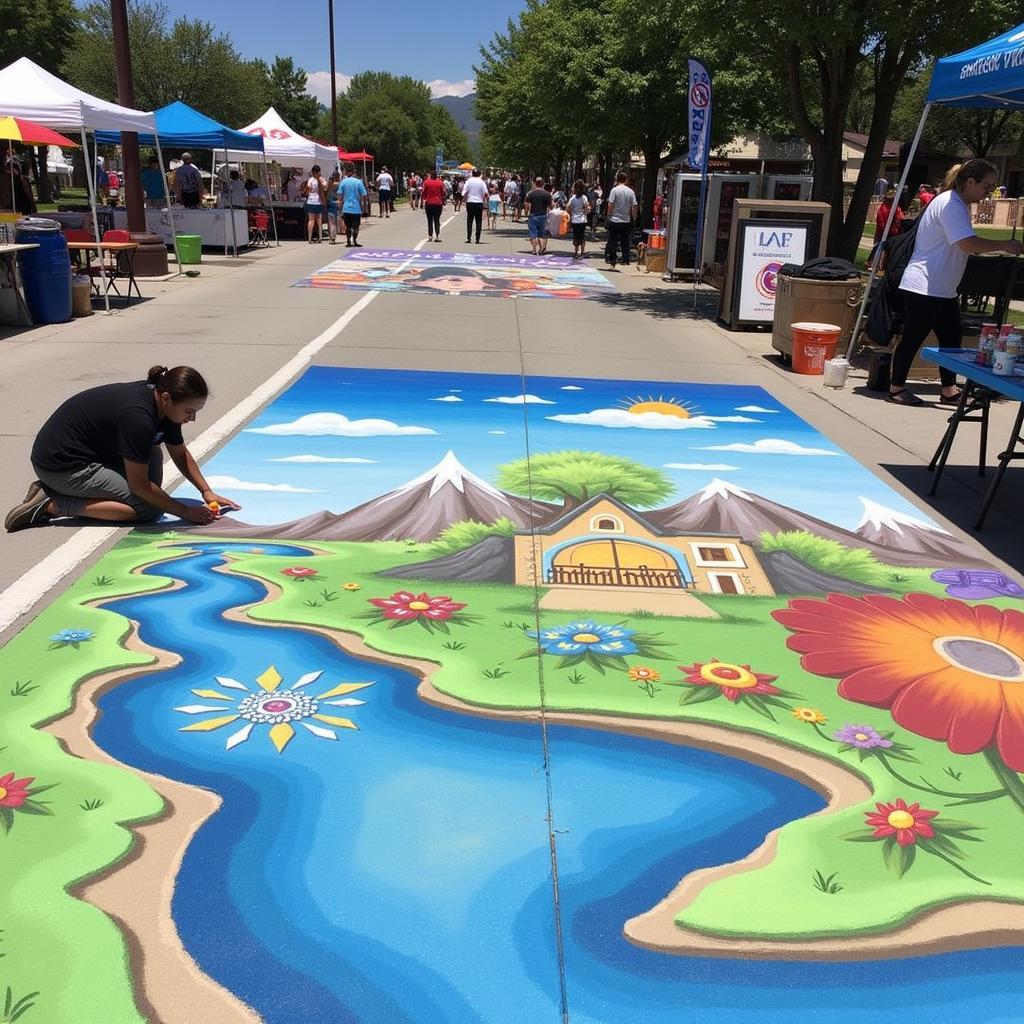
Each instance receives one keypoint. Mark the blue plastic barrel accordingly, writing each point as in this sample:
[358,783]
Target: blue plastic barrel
[46,271]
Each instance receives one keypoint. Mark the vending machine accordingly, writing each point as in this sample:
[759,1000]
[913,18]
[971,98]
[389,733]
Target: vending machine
[722,191]
[791,187]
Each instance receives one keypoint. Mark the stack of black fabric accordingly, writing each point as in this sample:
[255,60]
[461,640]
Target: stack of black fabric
[824,268]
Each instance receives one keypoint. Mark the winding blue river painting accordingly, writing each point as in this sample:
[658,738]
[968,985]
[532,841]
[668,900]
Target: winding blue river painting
[402,872]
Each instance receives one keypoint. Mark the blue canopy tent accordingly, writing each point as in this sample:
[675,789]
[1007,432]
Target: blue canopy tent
[990,75]
[180,125]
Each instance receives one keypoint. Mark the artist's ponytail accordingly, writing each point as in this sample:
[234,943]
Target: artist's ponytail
[958,174]
[180,382]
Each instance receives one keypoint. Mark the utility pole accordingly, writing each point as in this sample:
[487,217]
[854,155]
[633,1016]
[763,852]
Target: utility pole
[132,171]
[334,90]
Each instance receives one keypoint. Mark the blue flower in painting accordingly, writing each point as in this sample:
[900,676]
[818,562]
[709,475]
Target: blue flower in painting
[580,637]
[70,638]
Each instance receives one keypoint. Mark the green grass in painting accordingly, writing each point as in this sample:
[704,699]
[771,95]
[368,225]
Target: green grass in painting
[769,902]
[16,1007]
[827,883]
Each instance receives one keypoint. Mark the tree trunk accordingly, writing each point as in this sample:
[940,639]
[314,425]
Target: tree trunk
[652,164]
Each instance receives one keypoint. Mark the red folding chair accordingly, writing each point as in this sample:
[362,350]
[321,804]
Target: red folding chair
[259,223]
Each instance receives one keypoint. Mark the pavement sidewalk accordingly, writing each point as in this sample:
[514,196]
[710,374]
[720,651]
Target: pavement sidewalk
[240,322]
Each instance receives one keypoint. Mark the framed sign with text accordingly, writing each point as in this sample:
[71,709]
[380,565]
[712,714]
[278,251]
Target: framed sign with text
[764,247]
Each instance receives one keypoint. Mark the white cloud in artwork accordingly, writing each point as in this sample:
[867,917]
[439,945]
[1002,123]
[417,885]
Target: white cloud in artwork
[232,483]
[620,418]
[495,431]
[334,424]
[767,446]
[447,398]
[570,387]
[322,459]
[754,408]
[520,400]
[714,467]
[455,391]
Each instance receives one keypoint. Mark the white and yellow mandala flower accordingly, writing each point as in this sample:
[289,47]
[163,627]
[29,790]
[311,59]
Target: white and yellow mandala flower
[274,707]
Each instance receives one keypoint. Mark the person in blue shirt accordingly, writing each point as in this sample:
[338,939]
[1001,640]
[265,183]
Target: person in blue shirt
[351,192]
[154,185]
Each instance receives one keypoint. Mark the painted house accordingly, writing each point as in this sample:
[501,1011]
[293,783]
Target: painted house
[606,544]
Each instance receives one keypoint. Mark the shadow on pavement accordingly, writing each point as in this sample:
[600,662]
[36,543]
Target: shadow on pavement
[663,303]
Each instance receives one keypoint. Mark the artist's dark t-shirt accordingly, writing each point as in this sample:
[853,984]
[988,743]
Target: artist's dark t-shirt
[107,424]
[538,200]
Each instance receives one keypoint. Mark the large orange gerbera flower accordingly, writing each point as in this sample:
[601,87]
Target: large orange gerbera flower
[947,670]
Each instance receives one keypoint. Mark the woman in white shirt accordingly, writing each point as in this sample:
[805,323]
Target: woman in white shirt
[314,190]
[944,241]
[579,211]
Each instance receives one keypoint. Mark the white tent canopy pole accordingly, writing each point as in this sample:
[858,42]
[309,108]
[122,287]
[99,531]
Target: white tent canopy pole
[168,197]
[270,192]
[89,175]
[876,258]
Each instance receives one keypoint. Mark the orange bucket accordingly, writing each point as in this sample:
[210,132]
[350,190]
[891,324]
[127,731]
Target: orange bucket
[812,345]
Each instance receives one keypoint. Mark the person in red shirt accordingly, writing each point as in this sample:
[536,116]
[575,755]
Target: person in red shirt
[432,195]
[883,215]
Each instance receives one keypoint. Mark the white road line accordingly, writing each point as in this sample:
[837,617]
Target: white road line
[23,593]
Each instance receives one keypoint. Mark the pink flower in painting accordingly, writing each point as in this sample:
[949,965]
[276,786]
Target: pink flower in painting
[299,572]
[405,605]
[14,792]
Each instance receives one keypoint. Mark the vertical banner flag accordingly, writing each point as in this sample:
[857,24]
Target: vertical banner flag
[699,120]
[439,159]
[699,123]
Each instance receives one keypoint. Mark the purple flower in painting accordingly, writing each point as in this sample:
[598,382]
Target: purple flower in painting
[861,736]
[977,584]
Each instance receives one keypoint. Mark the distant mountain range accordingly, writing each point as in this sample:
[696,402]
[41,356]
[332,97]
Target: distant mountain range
[461,109]
[447,493]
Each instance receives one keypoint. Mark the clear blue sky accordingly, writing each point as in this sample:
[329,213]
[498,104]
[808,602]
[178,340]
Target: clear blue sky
[433,42]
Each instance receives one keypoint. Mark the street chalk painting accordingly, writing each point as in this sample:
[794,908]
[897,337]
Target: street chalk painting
[331,702]
[456,273]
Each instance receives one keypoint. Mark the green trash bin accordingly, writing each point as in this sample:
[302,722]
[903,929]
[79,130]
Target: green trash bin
[190,248]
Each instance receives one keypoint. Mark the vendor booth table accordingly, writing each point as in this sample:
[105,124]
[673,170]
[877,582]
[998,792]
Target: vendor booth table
[291,220]
[980,388]
[13,307]
[213,224]
[178,124]
[29,91]
[124,254]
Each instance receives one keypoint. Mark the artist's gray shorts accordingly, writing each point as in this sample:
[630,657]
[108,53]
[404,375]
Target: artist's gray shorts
[72,489]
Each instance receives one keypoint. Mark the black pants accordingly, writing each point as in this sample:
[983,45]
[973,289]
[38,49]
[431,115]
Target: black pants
[351,225]
[433,219]
[474,215]
[618,239]
[921,315]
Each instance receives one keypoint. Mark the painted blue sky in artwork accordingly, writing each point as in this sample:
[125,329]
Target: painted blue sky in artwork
[382,428]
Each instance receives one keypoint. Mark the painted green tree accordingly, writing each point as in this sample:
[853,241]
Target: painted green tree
[573,477]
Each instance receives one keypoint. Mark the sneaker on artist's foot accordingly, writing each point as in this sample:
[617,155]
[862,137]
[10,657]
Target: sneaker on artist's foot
[31,511]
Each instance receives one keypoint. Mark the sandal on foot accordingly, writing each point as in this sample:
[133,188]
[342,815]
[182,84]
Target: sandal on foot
[904,397]
[953,399]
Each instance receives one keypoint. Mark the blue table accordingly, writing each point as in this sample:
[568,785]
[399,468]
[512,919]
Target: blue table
[981,386]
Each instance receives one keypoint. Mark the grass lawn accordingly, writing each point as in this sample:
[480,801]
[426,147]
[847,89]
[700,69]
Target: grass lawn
[489,660]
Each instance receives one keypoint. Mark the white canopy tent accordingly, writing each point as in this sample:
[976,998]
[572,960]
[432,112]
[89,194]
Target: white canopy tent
[283,144]
[29,91]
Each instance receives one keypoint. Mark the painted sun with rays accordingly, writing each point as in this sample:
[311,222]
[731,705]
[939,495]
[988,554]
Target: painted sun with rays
[661,405]
[273,707]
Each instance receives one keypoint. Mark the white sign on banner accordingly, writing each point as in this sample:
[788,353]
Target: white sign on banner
[765,247]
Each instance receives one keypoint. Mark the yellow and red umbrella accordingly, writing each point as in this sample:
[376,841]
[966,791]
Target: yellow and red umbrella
[18,129]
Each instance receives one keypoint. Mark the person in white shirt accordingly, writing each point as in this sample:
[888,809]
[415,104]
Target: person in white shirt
[233,192]
[944,240]
[579,211]
[619,215]
[474,192]
[511,194]
[385,193]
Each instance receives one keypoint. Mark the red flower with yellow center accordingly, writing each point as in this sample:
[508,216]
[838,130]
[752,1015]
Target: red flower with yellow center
[14,792]
[734,681]
[906,823]
[643,674]
[405,605]
[946,670]
[299,572]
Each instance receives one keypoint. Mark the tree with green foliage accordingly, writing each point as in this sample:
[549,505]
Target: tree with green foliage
[187,61]
[952,130]
[394,118]
[287,93]
[829,556]
[818,51]
[41,30]
[467,532]
[573,477]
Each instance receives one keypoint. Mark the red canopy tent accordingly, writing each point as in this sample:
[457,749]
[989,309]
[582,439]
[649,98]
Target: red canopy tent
[356,158]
